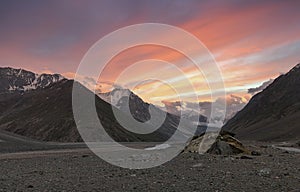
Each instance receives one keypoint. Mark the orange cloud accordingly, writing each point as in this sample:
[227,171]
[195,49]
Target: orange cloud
[251,43]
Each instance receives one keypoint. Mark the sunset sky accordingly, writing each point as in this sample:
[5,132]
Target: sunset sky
[252,41]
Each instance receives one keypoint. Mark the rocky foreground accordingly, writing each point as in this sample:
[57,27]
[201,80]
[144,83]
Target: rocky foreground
[79,170]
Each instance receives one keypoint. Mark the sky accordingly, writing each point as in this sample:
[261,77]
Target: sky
[252,41]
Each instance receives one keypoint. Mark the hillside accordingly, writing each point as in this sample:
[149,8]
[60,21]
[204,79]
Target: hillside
[46,114]
[273,114]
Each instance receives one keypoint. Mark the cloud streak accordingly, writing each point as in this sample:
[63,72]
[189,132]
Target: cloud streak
[252,40]
[260,88]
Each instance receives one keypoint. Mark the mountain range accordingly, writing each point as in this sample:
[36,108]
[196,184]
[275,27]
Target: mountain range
[44,111]
[39,106]
[118,97]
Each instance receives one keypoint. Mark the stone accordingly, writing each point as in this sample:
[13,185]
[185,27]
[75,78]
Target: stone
[255,153]
[216,144]
[264,172]
[30,186]
[245,157]
[221,148]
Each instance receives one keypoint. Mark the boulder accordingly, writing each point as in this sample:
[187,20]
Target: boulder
[213,143]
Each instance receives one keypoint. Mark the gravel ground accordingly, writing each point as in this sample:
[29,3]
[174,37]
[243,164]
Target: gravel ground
[80,170]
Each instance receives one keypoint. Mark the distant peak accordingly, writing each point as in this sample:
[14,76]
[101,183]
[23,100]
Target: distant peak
[121,90]
[20,80]
[20,70]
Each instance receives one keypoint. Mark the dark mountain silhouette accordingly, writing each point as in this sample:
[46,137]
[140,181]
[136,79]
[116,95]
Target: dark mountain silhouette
[45,113]
[273,114]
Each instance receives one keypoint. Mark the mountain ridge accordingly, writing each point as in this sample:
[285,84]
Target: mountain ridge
[45,113]
[20,80]
[272,114]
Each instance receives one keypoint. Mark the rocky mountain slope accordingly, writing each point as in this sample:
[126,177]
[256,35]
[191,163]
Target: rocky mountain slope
[273,114]
[45,113]
[19,80]
[140,110]
[137,107]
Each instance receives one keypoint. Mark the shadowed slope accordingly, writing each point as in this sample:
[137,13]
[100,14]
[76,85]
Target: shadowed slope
[46,114]
[273,114]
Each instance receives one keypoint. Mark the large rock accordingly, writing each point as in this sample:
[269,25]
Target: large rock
[200,144]
[214,143]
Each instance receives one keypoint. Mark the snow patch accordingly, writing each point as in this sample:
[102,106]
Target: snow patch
[158,147]
[20,72]
[29,87]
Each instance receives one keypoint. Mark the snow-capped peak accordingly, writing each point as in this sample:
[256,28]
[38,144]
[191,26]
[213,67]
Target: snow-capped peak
[115,95]
[12,80]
